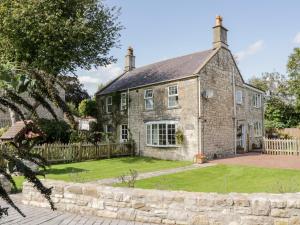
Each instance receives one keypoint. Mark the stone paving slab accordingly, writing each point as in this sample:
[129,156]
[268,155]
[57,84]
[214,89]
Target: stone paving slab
[262,160]
[35,216]
[45,216]
[110,181]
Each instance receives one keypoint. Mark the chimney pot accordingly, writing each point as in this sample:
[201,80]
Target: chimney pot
[219,20]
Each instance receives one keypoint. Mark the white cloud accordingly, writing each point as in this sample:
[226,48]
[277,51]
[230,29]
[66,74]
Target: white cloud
[297,38]
[250,50]
[100,75]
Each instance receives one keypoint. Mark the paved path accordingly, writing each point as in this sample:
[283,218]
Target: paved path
[45,216]
[141,176]
[262,160]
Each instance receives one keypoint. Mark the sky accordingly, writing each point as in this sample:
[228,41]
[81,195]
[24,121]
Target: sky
[262,34]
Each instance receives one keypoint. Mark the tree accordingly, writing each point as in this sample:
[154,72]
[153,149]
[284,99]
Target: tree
[293,67]
[88,107]
[280,111]
[40,41]
[74,90]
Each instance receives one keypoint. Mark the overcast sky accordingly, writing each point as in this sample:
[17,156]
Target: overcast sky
[262,34]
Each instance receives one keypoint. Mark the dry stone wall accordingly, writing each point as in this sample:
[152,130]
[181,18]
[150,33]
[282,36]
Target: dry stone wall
[170,207]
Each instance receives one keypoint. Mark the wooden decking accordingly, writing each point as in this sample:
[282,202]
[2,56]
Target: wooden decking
[36,216]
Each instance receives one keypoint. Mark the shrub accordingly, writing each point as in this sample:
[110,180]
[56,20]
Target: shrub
[55,131]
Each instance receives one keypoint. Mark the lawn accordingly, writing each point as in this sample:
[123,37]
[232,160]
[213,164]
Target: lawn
[106,168]
[224,179]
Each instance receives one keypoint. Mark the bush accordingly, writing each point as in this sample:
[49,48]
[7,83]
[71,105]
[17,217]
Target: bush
[55,131]
[3,130]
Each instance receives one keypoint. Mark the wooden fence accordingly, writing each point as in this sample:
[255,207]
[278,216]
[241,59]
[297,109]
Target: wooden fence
[58,153]
[282,146]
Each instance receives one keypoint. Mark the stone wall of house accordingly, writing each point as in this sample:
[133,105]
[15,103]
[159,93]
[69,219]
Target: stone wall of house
[185,114]
[42,112]
[247,114]
[217,114]
[169,207]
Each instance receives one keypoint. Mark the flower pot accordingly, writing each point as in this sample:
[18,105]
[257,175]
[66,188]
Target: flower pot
[200,159]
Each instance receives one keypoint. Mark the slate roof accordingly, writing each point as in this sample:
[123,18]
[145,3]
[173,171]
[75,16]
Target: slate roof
[170,69]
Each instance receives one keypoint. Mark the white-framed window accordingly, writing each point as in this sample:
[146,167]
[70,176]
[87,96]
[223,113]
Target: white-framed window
[257,128]
[173,96]
[256,100]
[123,101]
[161,133]
[108,104]
[124,132]
[148,98]
[239,97]
[108,130]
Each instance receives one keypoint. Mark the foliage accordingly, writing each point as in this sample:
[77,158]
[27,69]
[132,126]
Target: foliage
[87,107]
[280,114]
[106,168]
[280,110]
[74,90]
[226,179]
[73,109]
[40,41]
[293,67]
[55,130]
[58,36]
[129,179]
[179,137]
[2,131]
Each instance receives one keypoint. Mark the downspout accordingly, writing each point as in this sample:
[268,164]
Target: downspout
[200,150]
[128,110]
[234,109]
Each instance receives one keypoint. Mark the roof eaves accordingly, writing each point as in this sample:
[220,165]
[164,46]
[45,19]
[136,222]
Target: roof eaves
[156,83]
[252,87]
[109,83]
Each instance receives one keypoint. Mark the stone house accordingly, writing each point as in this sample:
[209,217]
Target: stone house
[188,105]
[5,119]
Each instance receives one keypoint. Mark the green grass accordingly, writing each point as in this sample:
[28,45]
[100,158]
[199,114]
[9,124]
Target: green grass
[224,179]
[106,168]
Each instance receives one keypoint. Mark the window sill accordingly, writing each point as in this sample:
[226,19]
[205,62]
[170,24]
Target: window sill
[164,146]
[173,107]
[148,110]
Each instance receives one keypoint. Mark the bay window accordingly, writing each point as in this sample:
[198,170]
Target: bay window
[161,134]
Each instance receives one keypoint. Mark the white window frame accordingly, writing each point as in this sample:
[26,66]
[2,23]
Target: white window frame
[148,99]
[107,132]
[257,129]
[108,103]
[149,136]
[123,101]
[256,100]
[239,97]
[173,95]
[122,128]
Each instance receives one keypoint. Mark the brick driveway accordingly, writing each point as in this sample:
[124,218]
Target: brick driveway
[262,160]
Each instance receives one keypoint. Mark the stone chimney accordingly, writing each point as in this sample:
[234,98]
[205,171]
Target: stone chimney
[129,60]
[220,34]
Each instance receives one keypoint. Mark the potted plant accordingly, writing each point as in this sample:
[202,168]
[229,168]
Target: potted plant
[200,158]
